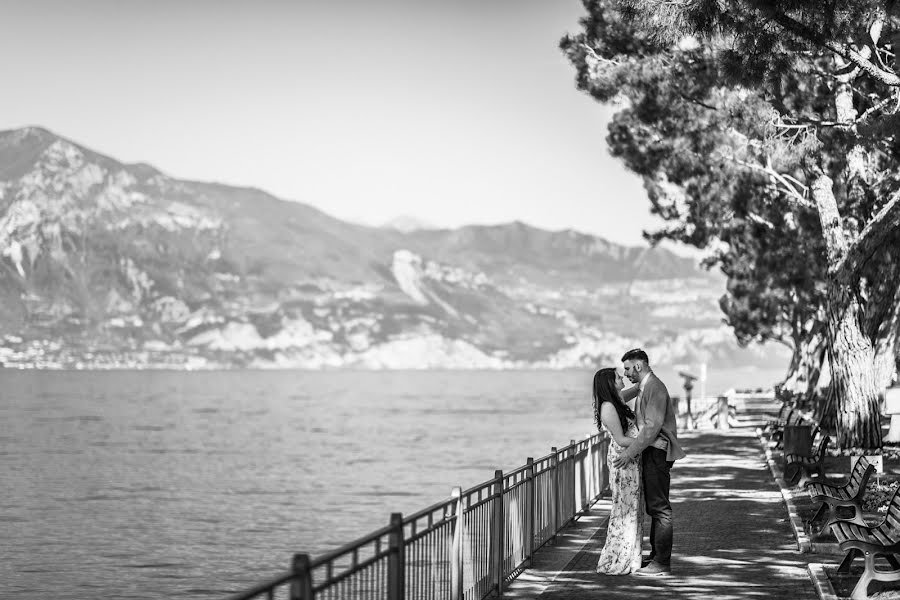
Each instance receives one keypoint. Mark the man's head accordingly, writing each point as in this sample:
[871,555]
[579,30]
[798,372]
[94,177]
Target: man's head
[636,364]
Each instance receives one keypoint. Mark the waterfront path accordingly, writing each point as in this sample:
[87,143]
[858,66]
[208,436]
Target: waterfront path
[733,538]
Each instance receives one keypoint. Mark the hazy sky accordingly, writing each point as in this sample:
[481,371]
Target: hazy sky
[450,111]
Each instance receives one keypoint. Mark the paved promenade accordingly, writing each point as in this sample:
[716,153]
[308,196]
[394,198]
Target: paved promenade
[732,535]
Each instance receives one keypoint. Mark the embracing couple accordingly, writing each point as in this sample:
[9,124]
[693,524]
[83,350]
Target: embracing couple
[643,446]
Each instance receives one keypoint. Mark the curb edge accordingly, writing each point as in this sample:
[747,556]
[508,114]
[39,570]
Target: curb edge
[820,579]
[803,542]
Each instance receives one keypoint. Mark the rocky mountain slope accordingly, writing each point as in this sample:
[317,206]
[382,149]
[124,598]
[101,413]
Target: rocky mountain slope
[105,264]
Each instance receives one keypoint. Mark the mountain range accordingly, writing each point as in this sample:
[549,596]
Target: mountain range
[105,264]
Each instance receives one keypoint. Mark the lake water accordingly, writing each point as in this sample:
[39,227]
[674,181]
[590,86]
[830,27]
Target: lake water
[151,484]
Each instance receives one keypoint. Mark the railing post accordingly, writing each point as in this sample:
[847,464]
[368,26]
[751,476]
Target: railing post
[456,562]
[570,485]
[689,418]
[554,508]
[602,467]
[723,413]
[582,476]
[529,512]
[588,474]
[301,585]
[396,559]
[498,529]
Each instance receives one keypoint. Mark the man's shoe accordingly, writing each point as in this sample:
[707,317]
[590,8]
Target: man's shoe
[646,561]
[654,569]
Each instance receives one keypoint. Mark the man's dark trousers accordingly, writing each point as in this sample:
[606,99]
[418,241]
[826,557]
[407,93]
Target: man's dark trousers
[655,475]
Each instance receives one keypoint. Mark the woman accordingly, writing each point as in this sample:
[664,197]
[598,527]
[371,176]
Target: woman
[621,553]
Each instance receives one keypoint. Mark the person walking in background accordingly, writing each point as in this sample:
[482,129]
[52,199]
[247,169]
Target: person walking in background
[657,445]
[621,552]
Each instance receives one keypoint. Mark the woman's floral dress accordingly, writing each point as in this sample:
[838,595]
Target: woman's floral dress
[621,553]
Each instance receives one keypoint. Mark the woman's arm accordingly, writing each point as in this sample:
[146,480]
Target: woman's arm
[629,396]
[630,393]
[610,418]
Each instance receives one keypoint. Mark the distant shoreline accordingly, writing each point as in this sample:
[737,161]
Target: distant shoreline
[721,378]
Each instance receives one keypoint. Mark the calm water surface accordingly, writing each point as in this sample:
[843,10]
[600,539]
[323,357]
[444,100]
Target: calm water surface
[151,484]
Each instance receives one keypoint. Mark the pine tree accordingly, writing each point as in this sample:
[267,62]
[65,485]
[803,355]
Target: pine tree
[748,113]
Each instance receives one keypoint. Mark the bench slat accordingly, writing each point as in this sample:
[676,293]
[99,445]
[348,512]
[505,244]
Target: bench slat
[892,520]
[881,537]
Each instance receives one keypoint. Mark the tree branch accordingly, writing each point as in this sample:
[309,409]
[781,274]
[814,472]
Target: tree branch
[760,221]
[845,50]
[805,123]
[873,109]
[795,196]
[693,100]
[597,57]
[879,227]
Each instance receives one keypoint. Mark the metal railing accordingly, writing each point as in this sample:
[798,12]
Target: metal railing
[467,547]
[711,412]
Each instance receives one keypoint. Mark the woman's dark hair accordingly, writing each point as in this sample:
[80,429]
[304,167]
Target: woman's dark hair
[605,391]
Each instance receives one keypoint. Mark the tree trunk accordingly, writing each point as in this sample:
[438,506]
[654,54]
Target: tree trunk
[853,373]
[887,337]
[806,366]
[825,409]
[885,367]
[850,352]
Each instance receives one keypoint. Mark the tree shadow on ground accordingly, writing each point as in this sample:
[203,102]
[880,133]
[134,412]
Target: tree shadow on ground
[732,536]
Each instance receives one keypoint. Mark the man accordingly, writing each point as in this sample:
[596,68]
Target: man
[657,445]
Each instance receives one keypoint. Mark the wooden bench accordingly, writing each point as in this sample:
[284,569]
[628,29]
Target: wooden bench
[794,418]
[775,428]
[778,421]
[871,542]
[835,496]
[799,468]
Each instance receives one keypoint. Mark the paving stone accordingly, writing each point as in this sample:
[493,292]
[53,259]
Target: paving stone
[732,536]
